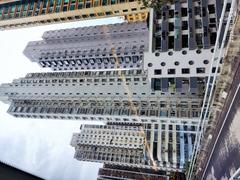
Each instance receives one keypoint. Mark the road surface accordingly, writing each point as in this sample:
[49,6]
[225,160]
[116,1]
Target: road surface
[225,159]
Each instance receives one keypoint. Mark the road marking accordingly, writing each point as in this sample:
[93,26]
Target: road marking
[236,175]
[220,131]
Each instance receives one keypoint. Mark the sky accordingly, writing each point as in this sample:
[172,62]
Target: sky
[41,147]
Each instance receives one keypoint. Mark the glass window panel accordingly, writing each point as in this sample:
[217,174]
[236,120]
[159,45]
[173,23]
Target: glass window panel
[13,8]
[5,10]
[44,4]
[88,4]
[59,2]
[25,6]
[72,7]
[57,9]
[104,2]
[18,7]
[80,5]
[96,3]
[113,1]
[31,6]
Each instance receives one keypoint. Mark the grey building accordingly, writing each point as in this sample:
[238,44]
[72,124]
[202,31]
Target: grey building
[122,96]
[157,146]
[115,46]
[112,172]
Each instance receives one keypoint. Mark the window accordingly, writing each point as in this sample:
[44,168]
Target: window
[197,10]
[200,70]
[157,71]
[211,9]
[213,37]
[199,39]
[185,71]
[184,25]
[184,41]
[171,13]
[171,26]
[158,42]
[171,71]
[212,20]
[213,69]
[88,4]
[184,12]
[198,24]
[136,79]
[170,42]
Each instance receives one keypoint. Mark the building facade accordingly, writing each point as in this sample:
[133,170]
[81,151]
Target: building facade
[151,90]
[122,96]
[182,39]
[114,46]
[151,104]
[119,98]
[110,171]
[15,13]
[180,46]
[159,146]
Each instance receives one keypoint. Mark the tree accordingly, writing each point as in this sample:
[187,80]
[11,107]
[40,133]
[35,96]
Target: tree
[156,4]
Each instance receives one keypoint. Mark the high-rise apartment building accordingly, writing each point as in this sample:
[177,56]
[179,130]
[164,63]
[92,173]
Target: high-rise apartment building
[110,171]
[18,13]
[114,46]
[161,146]
[182,39]
[151,104]
[180,45]
[110,96]
[150,94]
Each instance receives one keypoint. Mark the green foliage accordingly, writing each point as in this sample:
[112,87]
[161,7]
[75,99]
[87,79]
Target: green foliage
[156,4]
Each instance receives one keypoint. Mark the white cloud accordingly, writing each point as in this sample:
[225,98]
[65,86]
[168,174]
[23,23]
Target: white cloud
[41,147]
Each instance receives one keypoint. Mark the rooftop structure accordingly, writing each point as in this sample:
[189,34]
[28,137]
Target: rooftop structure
[15,13]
